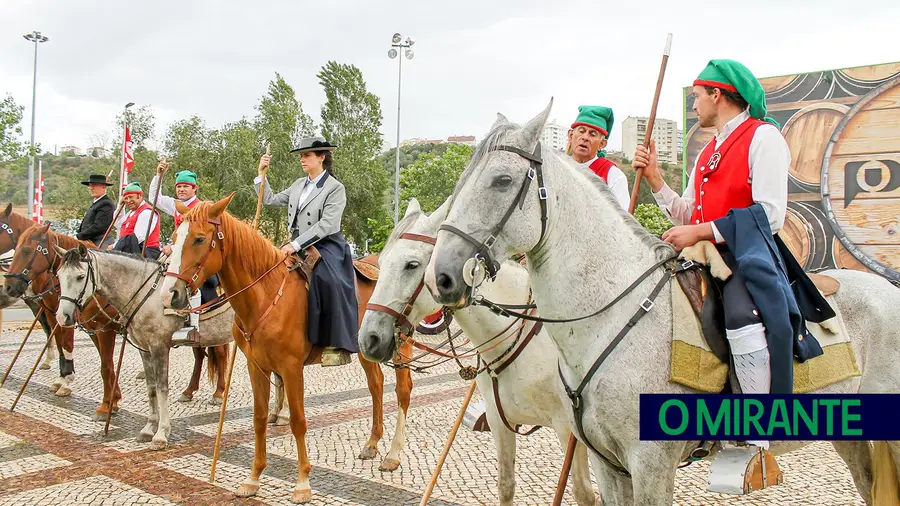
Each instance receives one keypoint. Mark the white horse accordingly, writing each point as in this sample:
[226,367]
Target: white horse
[522,385]
[125,281]
[588,253]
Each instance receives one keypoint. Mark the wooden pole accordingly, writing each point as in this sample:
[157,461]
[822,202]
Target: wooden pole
[112,224]
[234,347]
[115,382]
[650,122]
[564,474]
[150,226]
[450,438]
[36,362]
[21,346]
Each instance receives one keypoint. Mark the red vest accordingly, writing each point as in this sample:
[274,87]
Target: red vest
[178,215]
[601,166]
[722,177]
[131,221]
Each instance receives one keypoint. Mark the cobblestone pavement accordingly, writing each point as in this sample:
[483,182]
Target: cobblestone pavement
[52,452]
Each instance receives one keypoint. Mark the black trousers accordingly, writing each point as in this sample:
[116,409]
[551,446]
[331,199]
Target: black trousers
[738,305]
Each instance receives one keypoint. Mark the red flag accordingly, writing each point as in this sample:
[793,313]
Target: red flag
[128,151]
[38,210]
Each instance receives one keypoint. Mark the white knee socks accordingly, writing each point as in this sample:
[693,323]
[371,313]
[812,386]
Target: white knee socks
[195,317]
[751,362]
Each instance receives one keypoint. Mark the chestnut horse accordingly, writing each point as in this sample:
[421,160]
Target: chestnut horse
[270,304]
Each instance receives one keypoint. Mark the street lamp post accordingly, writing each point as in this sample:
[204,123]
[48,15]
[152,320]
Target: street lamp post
[397,41]
[37,38]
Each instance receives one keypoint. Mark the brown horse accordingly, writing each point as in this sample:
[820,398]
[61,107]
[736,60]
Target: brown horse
[270,305]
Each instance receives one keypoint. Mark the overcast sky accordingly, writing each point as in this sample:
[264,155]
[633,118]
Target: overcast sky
[473,58]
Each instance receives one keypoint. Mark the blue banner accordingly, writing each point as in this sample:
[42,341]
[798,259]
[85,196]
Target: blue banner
[687,417]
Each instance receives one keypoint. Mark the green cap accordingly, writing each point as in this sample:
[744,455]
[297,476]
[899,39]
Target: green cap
[734,76]
[595,116]
[134,187]
[186,177]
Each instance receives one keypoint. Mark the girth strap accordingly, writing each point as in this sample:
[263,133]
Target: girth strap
[495,383]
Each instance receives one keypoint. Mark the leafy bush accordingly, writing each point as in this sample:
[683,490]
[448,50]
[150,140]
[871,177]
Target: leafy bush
[652,218]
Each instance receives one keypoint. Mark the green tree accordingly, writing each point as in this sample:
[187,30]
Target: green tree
[351,119]
[10,130]
[142,123]
[652,218]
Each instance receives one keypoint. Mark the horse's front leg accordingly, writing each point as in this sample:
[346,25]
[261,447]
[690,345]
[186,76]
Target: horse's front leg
[376,388]
[293,388]
[504,443]
[150,428]
[51,355]
[194,384]
[275,416]
[105,341]
[160,358]
[259,381]
[581,472]
[652,465]
[391,461]
[65,341]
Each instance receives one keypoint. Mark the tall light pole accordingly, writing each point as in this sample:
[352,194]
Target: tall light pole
[37,38]
[397,41]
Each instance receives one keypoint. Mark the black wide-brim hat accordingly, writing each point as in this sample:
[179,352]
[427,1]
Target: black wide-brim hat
[96,179]
[313,144]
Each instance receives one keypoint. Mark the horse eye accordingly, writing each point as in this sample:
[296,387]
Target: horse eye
[502,181]
[199,240]
[412,264]
[80,277]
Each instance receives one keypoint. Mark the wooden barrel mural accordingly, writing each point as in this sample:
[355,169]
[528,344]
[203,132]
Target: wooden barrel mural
[807,133]
[804,232]
[842,259]
[860,181]
[695,139]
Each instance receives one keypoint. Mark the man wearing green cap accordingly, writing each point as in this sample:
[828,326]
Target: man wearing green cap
[133,225]
[587,138]
[186,192]
[744,168]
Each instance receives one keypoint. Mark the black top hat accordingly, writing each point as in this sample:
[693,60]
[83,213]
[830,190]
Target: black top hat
[97,179]
[313,144]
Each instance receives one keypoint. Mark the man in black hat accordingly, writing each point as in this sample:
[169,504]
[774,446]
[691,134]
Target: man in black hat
[100,215]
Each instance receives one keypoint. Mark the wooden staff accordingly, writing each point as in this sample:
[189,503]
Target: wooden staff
[564,474]
[116,374]
[111,224]
[36,362]
[21,346]
[650,121]
[233,349]
[450,438]
[149,226]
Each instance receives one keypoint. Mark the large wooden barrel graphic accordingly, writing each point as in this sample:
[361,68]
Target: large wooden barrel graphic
[804,232]
[842,258]
[872,73]
[695,140]
[807,133]
[860,188]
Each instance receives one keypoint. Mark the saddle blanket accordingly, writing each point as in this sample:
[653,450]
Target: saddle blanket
[694,365]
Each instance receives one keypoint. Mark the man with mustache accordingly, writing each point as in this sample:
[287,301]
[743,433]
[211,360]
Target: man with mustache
[588,136]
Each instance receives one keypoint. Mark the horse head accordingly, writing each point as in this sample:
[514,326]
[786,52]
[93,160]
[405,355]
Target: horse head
[32,258]
[198,252]
[7,231]
[76,282]
[498,209]
[398,301]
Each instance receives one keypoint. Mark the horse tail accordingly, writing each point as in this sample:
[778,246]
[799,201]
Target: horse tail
[214,363]
[885,484]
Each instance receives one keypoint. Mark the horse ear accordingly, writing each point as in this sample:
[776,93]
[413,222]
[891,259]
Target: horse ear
[180,207]
[8,210]
[82,250]
[412,207]
[440,214]
[219,207]
[531,133]
[59,251]
[501,120]
[45,228]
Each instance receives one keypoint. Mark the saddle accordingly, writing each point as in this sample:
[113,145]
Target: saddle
[705,297]
[304,261]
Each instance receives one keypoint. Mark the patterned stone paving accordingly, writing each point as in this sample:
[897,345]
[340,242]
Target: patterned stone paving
[53,452]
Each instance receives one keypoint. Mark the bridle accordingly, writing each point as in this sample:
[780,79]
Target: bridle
[4,226]
[217,234]
[44,250]
[402,325]
[535,170]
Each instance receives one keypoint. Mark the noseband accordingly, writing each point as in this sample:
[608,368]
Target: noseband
[483,248]
[402,324]
[40,248]
[212,245]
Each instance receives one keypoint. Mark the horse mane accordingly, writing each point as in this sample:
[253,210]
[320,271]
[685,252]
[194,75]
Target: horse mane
[402,226]
[490,142]
[257,253]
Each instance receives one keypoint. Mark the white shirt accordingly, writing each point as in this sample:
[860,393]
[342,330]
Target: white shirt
[769,159]
[165,203]
[617,182]
[306,189]
[140,228]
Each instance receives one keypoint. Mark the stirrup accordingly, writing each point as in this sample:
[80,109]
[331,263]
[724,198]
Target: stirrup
[185,336]
[740,470]
[333,357]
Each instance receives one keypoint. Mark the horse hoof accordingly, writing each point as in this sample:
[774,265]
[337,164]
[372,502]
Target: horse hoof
[246,490]
[389,465]
[282,420]
[301,496]
[99,416]
[143,437]
[44,367]
[54,387]
[157,444]
[368,454]
[63,391]
[185,398]
[141,375]
[214,401]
